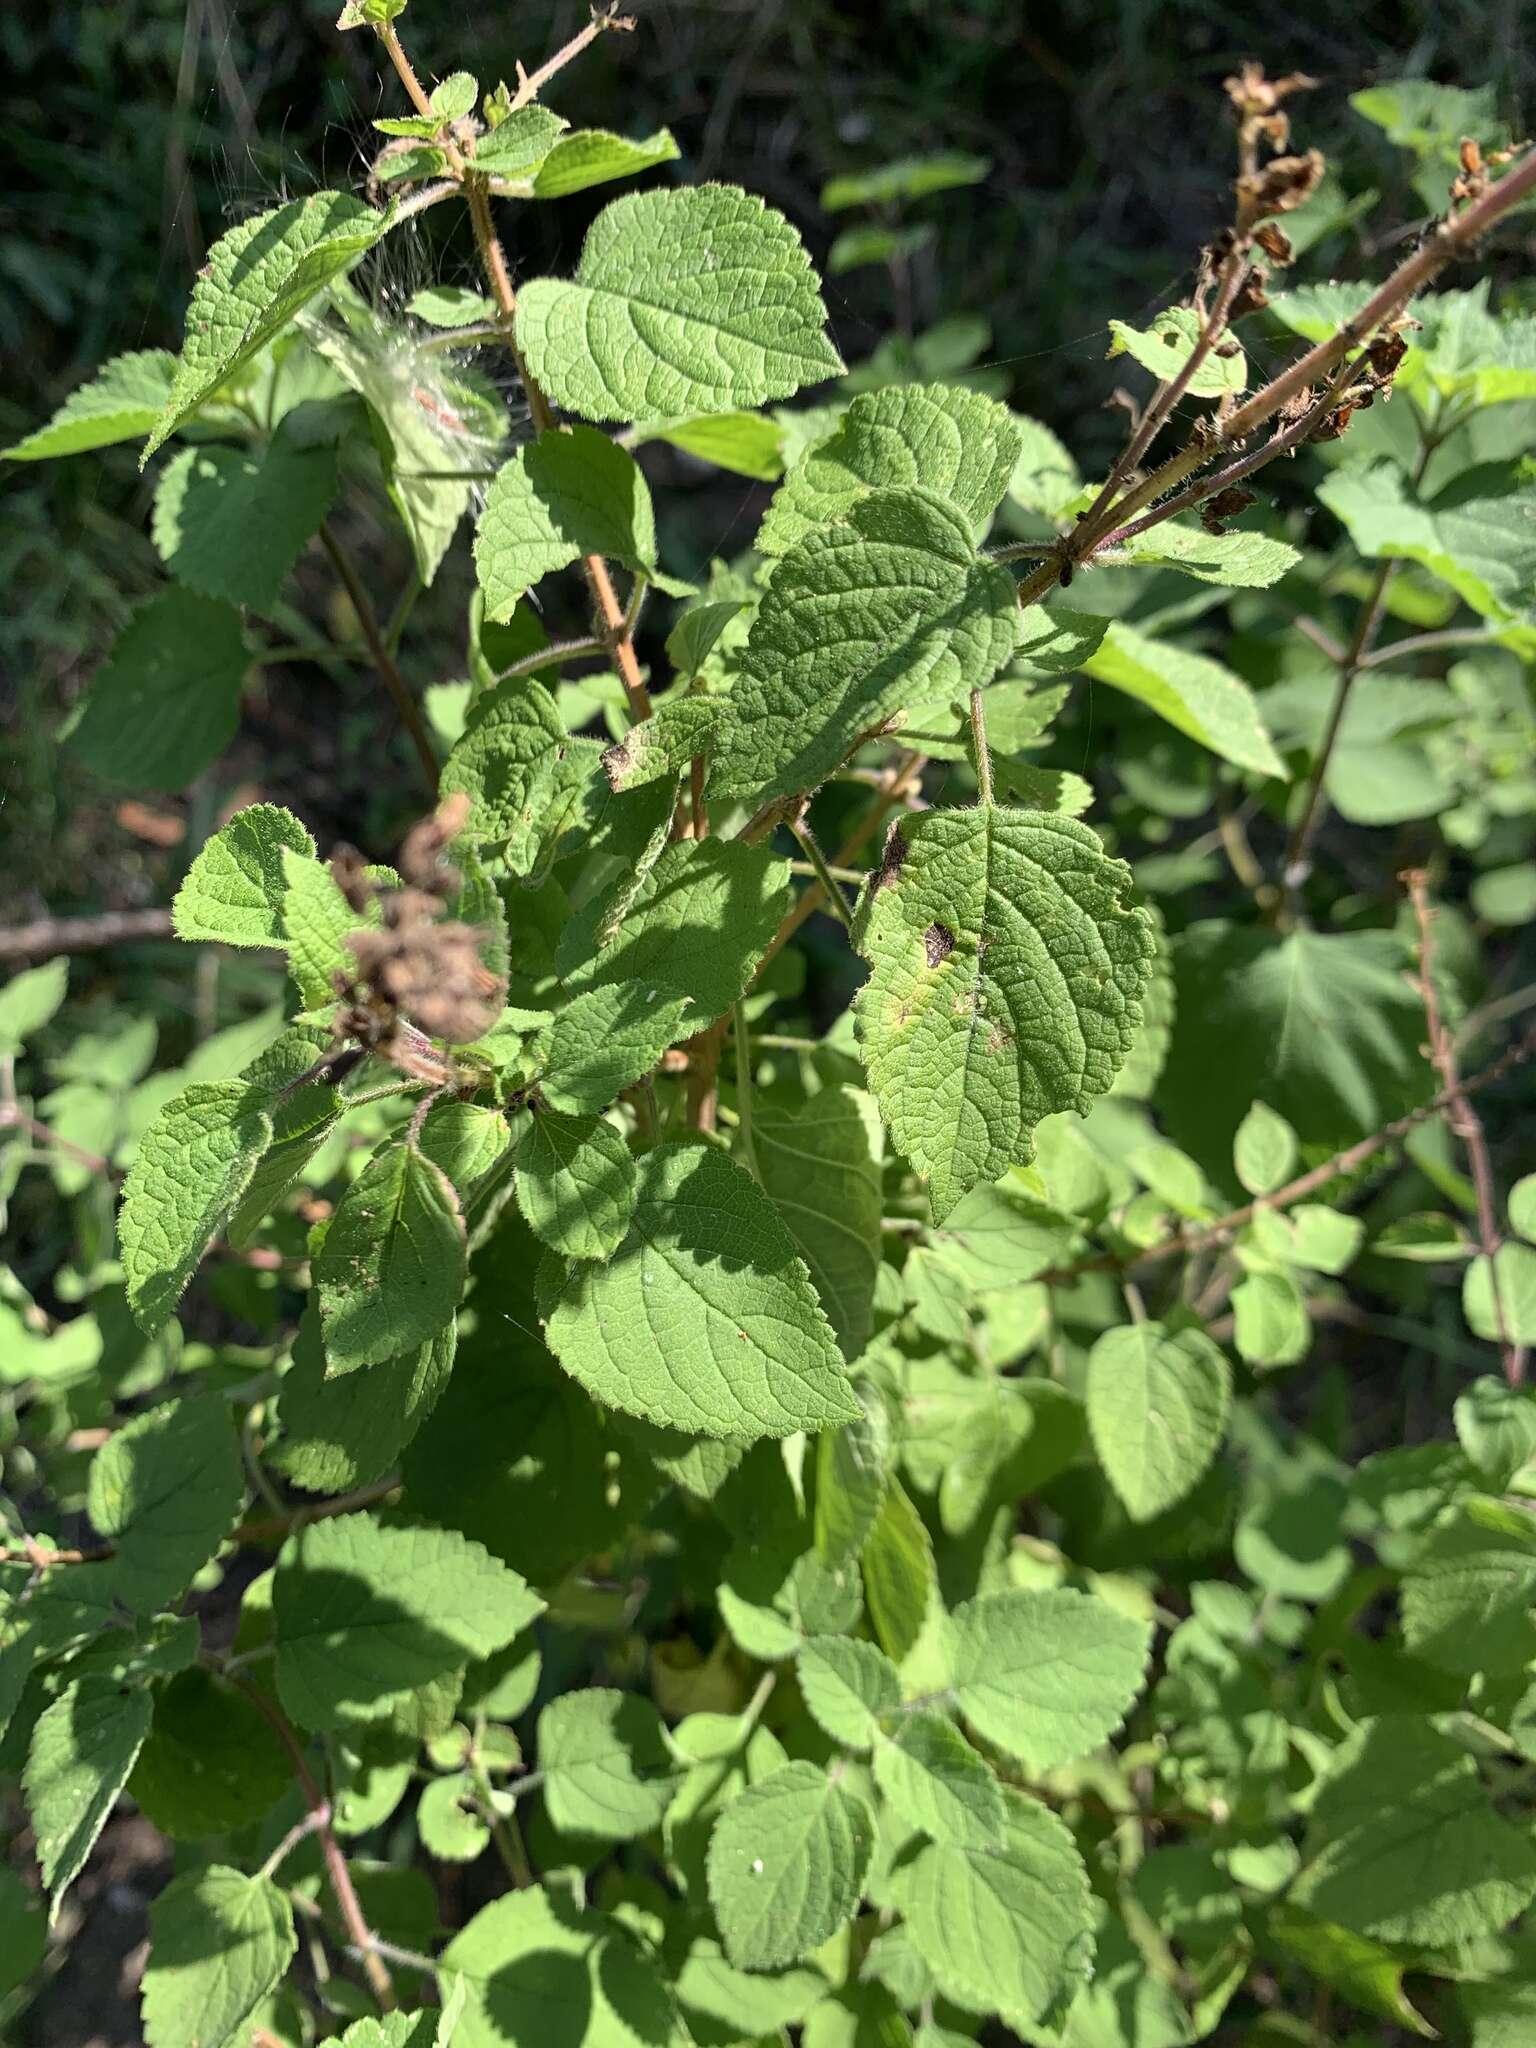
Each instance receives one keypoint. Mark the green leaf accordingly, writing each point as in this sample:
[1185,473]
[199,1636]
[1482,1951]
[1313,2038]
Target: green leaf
[1467,1601]
[1496,1425]
[699,300]
[1477,534]
[1522,1196]
[704,1319]
[256,279]
[886,610]
[662,746]
[82,1750]
[1194,694]
[28,1000]
[852,1466]
[849,1687]
[212,1764]
[866,243]
[1368,1975]
[957,444]
[1407,1846]
[900,1580]
[697,926]
[522,771]
[607,1770]
[937,1782]
[786,1866]
[1157,1410]
[391,1269]
[1166,346]
[235,888]
[315,919]
[1324,1024]
[1251,561]
[1005,1928]
[165,1490]
[451,305]
[1046,478]
[1007,969]
[576,1184]
[820,1166]
[1046,1675]
[745,443]
[120,403]
[194,1163]
[561,496]
[347,1432]
[603,1041]
[365,1612]
[464,1139]
[220,1942]
[231,525]
[449,1820]
[1515,1267]
[593,156]
[723,2005]
[1264,1150]
[166,700]
[906,178]
[538,1968]
[516,146]
[24,1933]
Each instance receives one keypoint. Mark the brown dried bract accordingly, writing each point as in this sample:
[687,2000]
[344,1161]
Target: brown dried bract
[1275,243]
[1225,505]
[1281,186]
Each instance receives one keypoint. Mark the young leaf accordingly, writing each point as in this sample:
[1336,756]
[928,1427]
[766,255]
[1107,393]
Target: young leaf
[365,1612]
[1408,1846]
[745,443]
[886,610]
[219,1943]
[391,1269]
[1157,1407]
[575,1184]
[1195,694]
[1166,346]
[1264,1150]
[82,1749]
[517,145]
[905,178]
[536,1967]
[28,1000]
[698,300]
[593,156]
[954,442]
[937,1782]
[347,1432]
[315,919]
[231,526]
[1007,969]
[820,1166]
[900,1579]
[852,1469]
[601,1042]
[1046,1675]
[449,1820]
[165,1489]
[1250,561]
[704,1319]
[120,403]
[561,496]
[849,1687]
[607,1770]
[786,1866]
[1515,1265]
[194,1163]
[1496,1425]
[522,771]
[1005,1928]
[697,926]
[257,278]
[167,699]
[235,889]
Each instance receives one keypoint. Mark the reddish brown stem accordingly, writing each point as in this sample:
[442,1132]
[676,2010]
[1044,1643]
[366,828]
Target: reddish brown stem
[383,660]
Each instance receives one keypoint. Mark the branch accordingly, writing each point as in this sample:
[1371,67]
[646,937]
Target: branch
[1464,1121]
[383,660]
[1183,1243]
[51,936]
[531,84]
[358,1930]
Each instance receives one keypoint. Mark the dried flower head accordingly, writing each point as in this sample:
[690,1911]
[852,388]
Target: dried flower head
[1281,186]
[1225,505]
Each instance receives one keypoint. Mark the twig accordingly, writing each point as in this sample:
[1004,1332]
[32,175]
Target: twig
[982,751]
[1185,1243]
[51,936]
[531,83]
[318,1817]
[361,1935]
[383,660]
[831,894]
[14,1118]
[744,1087]
[1463,1121]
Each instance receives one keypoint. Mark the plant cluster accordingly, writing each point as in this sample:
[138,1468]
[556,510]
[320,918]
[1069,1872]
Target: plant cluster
[662,1523]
